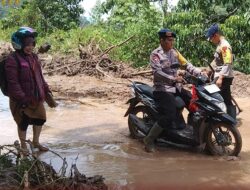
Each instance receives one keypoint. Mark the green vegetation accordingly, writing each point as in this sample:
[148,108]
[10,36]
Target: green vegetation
[59,22]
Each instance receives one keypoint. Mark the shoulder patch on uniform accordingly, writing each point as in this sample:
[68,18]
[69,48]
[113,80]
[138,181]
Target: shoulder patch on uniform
[226,55]
[224,48]
[156,58]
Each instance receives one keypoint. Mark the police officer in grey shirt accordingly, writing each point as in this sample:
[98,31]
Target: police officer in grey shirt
[165,61]
[223,66]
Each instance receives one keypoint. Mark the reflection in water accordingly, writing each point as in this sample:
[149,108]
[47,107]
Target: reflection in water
[95,138]
[4,104]
[8,132]
[128,164]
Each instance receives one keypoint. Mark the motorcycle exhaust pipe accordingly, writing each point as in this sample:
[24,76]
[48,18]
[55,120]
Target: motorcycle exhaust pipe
[139,124]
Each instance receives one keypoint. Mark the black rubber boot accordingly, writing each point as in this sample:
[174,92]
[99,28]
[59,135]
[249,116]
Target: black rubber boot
[231,110]
[154,132]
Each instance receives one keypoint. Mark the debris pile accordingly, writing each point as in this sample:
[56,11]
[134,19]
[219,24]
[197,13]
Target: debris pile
[92,61]
[27,172]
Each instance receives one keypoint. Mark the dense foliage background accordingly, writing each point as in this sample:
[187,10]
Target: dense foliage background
[60,22]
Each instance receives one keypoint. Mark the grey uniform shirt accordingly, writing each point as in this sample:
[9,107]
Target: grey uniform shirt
[223,59]
[165,66]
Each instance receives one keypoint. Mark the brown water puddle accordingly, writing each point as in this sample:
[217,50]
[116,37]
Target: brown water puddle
[95,137]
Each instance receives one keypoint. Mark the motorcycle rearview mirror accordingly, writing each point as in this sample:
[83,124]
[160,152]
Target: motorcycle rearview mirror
[203,79]
[189,78]
[211,75]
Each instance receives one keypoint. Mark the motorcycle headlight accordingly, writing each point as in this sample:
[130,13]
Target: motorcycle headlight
[216,102]
[221,105]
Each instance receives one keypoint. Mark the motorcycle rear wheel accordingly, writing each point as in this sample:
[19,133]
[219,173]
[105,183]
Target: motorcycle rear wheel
[145,115]
[231,140]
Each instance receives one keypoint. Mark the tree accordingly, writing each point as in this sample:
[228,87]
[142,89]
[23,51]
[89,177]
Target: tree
[136,18]
[191,19]
[46,15]
[97,13]
[124,12]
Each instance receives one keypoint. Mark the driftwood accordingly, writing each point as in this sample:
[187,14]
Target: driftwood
[93,62]
[142,73]
[117,45]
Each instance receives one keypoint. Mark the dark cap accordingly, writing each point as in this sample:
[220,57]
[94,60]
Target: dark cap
[212,30]
[166,33]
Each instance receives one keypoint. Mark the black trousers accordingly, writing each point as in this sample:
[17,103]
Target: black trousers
[185,96]
[167,105]
[226,91]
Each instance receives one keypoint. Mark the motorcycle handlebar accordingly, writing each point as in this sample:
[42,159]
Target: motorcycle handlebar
[196,80]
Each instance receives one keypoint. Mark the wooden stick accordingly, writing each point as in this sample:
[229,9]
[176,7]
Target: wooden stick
[237,105]
[73,100]
[115,82]
[65,66]
[98,68]
[117,45]
[142,73]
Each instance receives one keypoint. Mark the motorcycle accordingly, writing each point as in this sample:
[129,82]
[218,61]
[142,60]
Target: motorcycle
[208,124]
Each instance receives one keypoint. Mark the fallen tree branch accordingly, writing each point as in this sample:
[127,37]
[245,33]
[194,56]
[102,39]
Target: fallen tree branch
[115,82]
[117,45]
[65,66]
[98,68]
[73,100]
[142,73]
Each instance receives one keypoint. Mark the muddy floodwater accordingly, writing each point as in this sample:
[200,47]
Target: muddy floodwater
[94,135]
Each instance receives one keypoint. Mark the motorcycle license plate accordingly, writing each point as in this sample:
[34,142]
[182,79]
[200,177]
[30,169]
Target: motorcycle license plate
[212,88]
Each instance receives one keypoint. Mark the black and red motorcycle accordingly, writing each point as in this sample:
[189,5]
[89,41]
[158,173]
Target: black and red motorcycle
[208,124]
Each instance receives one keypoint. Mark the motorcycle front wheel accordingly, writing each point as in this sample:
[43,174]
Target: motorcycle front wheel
[144,114]
[223,140]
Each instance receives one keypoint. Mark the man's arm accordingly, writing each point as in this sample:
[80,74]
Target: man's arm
[187,65]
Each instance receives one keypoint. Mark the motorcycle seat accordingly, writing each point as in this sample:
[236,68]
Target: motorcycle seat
[146,89]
